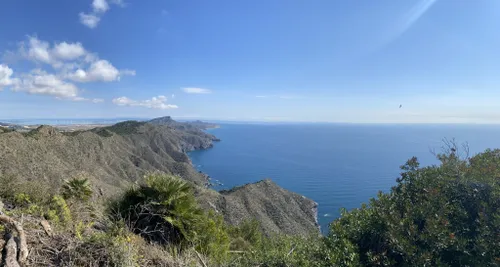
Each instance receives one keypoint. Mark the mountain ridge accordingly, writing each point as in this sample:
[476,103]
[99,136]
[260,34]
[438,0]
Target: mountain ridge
[117,156]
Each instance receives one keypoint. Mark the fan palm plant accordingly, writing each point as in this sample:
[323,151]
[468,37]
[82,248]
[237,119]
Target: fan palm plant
[163,210]
[79,188]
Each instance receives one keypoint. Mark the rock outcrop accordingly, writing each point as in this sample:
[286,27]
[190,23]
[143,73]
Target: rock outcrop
[277,209]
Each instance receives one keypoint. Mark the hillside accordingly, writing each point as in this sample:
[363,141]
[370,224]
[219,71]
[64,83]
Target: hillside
[278,210]
[115,157]
[440,215]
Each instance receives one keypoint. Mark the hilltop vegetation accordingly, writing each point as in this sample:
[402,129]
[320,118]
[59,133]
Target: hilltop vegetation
[443,215]
[446,215]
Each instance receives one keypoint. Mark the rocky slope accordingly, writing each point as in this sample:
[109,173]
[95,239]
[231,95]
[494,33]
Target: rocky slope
[113,157]
[277,209]
[117,156]
[193,136]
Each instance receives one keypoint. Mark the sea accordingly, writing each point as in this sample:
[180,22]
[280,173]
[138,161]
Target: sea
[336,165]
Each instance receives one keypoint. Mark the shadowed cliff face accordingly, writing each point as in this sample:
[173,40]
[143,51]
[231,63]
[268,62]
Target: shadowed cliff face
[117,156]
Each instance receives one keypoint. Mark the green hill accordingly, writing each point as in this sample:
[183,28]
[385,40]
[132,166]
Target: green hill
[89,187]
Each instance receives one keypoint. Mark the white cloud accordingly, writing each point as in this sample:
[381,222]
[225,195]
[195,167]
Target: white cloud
[157,102]
[173,96]
[41,83]
[89,20]
[193,90]
[72,61]
[100,6]
[81,99]
[6,76]
[77,99]
[37,50]
[100,70]
[68,51]
[69,62]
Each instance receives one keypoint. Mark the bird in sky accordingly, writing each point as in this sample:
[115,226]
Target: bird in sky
[400,106]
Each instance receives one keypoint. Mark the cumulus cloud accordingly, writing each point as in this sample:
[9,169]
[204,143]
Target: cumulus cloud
[194,90]
[6,76]
[59,65]
[41,52]
[157,102]
[72,60]
[100,70]
[68,51]
[37,50]
[42,83]
[89,20]
[99,7]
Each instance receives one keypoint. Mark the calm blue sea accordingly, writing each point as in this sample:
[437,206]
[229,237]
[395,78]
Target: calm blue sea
[337,165]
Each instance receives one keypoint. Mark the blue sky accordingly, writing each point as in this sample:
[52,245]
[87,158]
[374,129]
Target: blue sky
[278,60]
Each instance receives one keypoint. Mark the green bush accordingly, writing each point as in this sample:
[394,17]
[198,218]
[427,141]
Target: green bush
[212,238]
[113,248]
[59,211]
[281,250]
[163,210]
[447,215]
[77,188]
[246,235]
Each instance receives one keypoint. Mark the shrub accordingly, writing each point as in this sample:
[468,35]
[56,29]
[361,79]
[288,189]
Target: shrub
[59,211]
[115,248]
[212,238]
[447,215]
[246,235]
[77,188]
[282,250]
[163,210]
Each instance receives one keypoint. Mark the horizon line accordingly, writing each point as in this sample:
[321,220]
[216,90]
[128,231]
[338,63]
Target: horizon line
[244,121]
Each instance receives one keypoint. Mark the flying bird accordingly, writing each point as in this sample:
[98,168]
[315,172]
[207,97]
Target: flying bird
[400,106]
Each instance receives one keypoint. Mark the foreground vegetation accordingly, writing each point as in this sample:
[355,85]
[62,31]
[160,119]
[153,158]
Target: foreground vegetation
[446,215]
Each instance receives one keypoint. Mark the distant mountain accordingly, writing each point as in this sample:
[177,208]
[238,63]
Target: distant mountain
[183,125]
[117,156]
[194,128]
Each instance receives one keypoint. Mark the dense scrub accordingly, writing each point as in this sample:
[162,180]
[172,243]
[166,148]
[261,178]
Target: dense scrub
[445,215]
